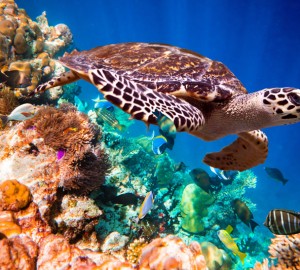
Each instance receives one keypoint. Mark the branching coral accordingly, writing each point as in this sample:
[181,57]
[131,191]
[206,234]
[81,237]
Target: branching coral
[286,249]
[134,250]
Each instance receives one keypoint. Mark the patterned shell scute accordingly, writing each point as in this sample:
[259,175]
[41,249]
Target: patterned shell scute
[163,68]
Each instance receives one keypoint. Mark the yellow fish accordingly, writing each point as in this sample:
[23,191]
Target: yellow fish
[228,241]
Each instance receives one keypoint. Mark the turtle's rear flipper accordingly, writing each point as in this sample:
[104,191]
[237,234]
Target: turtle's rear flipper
[62,79]
[142,102]
[247,151]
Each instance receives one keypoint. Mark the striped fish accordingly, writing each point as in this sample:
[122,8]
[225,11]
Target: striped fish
[283,222]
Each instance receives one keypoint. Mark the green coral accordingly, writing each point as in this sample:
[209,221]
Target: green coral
[194,204]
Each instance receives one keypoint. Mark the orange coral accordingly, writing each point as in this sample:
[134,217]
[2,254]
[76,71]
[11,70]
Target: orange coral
[171,253]
[18,253]
[8,226]
[7,28]
[20,43]
[14,195]
[286,249]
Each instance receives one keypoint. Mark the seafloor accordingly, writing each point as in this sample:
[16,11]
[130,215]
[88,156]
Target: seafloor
[71,182]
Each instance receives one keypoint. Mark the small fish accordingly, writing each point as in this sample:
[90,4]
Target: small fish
[70,129]
[97,99]
[180,167]
[146,205]
[109,117]
[20,113]
[80,105]
[60,153]
[228,241]
[14,79]
[243,212]
[276,175]
[159,144]
[283,222]
[102,103]
[225,177]
[201,178]
[33,149]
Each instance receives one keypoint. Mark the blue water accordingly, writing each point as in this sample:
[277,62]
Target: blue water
[258,40]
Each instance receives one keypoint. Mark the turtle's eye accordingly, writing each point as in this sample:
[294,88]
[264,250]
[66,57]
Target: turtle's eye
[294,98]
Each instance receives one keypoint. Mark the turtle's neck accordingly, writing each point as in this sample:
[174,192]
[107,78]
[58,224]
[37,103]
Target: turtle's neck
[242,113]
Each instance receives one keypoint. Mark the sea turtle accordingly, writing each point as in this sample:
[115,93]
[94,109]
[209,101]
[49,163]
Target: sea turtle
[201,96]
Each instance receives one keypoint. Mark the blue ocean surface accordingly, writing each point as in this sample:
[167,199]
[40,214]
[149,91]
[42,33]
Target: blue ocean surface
[259,41]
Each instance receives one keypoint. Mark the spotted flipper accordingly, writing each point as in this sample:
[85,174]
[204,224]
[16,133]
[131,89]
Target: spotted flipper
[62,79]
[142,102]
[247,151]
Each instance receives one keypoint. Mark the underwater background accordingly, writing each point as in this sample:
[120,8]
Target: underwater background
[259,41]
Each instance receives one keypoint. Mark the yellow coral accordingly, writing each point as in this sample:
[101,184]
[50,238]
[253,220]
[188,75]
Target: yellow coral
[135,250]
[14,195]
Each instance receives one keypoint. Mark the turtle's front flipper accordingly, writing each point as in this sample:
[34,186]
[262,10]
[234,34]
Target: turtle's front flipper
[142,102]
[247,151]
[64,78]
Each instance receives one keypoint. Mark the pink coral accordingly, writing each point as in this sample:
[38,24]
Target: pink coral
[171,253]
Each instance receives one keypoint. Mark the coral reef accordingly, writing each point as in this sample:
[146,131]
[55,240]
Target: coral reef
[29,154]
[28,46]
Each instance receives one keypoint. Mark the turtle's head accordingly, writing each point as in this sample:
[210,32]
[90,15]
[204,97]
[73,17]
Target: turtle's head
[283,104]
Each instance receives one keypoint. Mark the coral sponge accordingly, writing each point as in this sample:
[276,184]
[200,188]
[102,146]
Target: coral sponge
[14,195]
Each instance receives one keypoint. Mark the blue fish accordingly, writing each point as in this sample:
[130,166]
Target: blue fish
[146,205]
[159,144]
[80,105]
[102,104]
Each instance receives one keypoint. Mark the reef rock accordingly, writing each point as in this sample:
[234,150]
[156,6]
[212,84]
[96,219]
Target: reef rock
[171,253]
[19,252]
